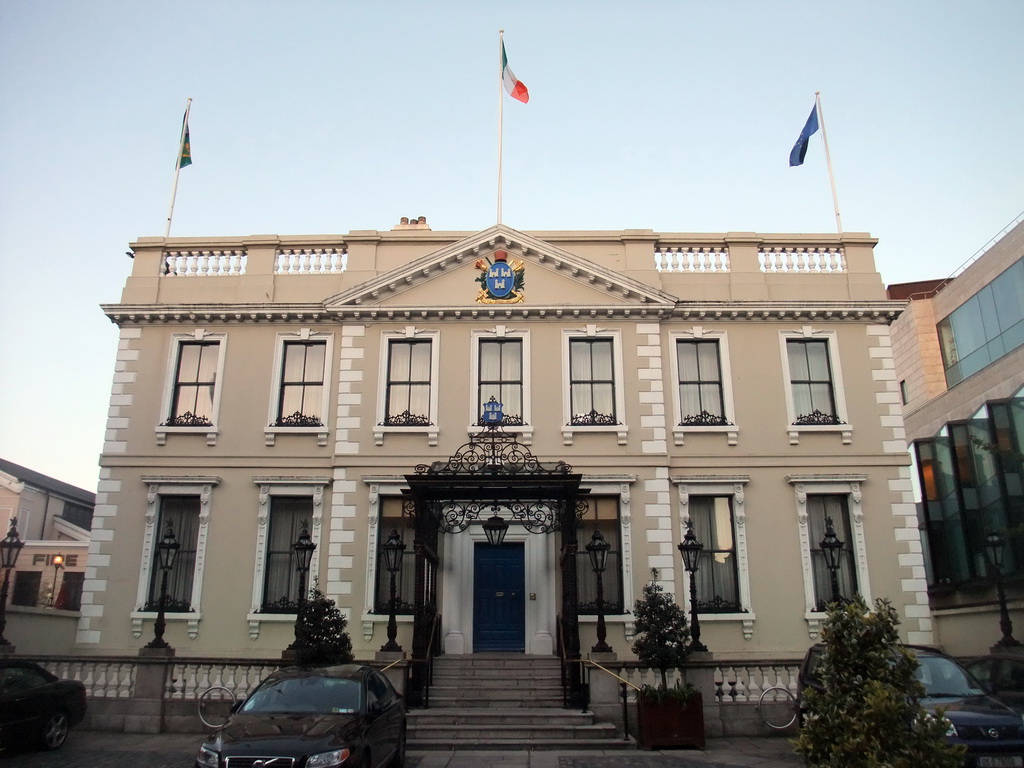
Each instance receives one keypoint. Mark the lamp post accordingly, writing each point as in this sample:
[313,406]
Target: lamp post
[303,550]
[995,550]
[832,550]
[393,549]
[10,548]
[166,551]
[598,551]
[58,563]
[690,549]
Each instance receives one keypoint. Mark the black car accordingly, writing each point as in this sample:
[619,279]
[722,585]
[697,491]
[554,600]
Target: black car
[36,705]
[1002,676]
[992,732]
[313,717]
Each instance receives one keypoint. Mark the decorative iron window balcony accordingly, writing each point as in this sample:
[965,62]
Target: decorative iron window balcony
[719,604]
[298,419]
[705,419]
[406,419]
[188,419]
[817,418]
[172,605]
[281,605]
[593,419]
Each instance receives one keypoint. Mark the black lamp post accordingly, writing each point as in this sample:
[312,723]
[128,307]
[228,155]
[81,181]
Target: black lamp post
[995,550]
[10,548]
[832,550]
[495,529]
[393,549]
[598,551]
[166,551]
[58,563]
[690,550]
[303,550]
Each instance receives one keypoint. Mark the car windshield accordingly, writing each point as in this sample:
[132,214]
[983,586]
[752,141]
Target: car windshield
[943,677]
[305,695]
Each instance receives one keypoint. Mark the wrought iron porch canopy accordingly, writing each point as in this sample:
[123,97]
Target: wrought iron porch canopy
[493,474]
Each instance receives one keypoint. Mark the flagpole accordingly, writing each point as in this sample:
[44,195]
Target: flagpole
[501,102]
[828,160]
[177,167]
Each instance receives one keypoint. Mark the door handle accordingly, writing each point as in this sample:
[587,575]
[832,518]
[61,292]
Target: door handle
[499,594]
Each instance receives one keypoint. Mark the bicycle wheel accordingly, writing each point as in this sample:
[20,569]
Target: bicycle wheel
[776,707]
[201,704]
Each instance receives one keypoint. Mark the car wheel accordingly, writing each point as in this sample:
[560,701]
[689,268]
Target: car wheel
[55,730]
[398,761]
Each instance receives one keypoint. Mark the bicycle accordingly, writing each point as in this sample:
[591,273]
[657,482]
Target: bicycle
[777,707]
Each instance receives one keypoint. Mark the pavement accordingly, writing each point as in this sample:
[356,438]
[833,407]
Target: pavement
[96,749]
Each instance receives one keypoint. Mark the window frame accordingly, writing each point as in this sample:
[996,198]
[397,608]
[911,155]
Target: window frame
[700,334]
[177,341]
[502,334]
[197,485]
[592,333]
[409,335]
[824,485]
[269,487]
[732,486]
[843,428]
[284,340]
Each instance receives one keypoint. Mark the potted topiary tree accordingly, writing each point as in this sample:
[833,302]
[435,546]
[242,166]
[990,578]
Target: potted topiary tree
[321,636]
[668,716]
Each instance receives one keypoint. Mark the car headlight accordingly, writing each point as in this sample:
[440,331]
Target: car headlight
[207,757]
[327,759]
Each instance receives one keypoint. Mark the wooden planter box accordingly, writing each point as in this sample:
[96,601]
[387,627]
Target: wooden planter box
[671,723]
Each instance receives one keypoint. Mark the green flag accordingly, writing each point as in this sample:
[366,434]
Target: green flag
[186,148]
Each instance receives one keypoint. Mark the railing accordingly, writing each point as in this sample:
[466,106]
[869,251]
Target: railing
[104,678]
[212,263]
[803,259]
[311,261]
[189,679]
[624,686]
[420,672]
[691,258]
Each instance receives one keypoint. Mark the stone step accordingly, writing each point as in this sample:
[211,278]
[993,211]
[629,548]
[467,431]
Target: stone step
[453,701]
[498,716]
[518,744]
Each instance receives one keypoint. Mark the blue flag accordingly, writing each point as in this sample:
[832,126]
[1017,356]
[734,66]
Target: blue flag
[796,155]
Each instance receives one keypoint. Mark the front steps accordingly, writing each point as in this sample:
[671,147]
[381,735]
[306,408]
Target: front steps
[504,701]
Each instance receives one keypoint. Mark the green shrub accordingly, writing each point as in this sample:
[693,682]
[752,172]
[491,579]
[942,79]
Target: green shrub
[320,637]
[662,631]
[869,713]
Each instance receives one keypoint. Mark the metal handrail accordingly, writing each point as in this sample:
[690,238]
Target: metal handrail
[427,661]
[620,679]
[625,696]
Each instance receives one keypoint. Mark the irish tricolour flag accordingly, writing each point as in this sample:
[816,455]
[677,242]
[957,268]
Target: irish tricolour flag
[515,87]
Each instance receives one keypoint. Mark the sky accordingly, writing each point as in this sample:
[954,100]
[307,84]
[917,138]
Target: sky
[326,117]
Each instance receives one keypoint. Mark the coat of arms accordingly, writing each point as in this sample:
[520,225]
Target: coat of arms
[501,282]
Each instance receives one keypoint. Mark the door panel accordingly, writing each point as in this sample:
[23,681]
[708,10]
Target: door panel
[499,600]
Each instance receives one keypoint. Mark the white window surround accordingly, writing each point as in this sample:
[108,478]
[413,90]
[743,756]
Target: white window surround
[721,485]
[199,334]
[476,409]
[282,486]
[196,485]
[591,331]
[808,333]
[699,333]
[846,485]
[270,431]
[412,333]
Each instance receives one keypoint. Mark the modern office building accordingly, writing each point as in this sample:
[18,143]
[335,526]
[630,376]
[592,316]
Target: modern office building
[960,356]
[273,393]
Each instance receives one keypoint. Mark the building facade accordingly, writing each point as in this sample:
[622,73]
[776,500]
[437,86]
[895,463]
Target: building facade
[53,519]
[636,383]
[960,356]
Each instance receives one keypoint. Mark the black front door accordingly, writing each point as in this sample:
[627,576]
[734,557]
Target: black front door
[499,600]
